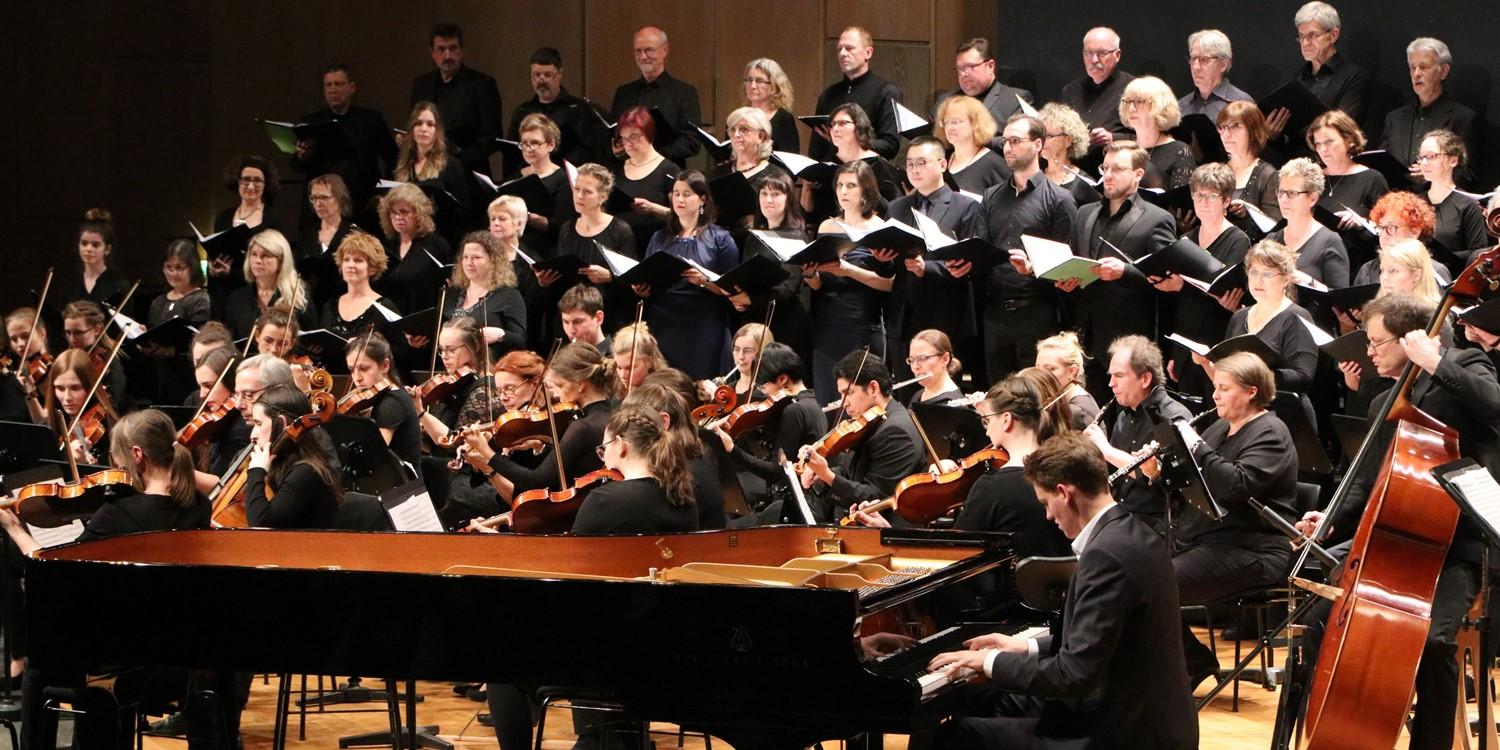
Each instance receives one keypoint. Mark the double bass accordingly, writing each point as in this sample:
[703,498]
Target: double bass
[1361,686]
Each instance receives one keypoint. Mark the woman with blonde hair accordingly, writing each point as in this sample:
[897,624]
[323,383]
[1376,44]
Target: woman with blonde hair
[1274,317]
[967,127]
[1066,141]
[636,355]
[930,356]
[361,261]
[1149,107]
[768,89]
[748,342]
[1062,355]
[272,279]
[484,288]
[415,253]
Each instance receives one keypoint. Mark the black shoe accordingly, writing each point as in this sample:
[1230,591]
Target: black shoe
[171,726]
[462,688]
[486,720]
[478,694]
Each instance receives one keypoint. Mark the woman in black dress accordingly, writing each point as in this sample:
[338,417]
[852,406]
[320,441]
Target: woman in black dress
[507,215]
[1067,140]
[424,161]
[930,356]
[768,89]
[848,294]
[371,366]
[332,206]
[656,494]
[272,279]
[97,281]
[1062,356]
[1198,315]
[782,214]
[297,472]
[645,177]
[692,309]
[750,157]
[539,138]
[1275,318]
[361,260]
[1244,132]
[254,182]
[1350,188]
[1148,107]
[965,126]
[416,256]
[850,130]
[583,238]
[1460,219]
[672,393]
[1321,259]
[185,298]
[484,288]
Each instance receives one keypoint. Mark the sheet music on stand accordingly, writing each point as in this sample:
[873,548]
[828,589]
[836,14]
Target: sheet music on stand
[1180,470]
[802,508]
[410,508]
[56,535]
[1476,492]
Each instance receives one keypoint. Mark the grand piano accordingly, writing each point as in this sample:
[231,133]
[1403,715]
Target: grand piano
[753,636]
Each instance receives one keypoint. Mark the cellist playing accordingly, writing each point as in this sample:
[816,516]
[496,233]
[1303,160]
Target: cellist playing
[1457,387]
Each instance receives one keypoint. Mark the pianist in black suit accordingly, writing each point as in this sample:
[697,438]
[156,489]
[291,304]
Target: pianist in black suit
[468,99]
[369,150]
[1112,676]
[890,452]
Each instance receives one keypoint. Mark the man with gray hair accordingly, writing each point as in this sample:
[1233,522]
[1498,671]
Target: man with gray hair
[1096,95]
[1429,61]
[1337,81]
[677,99]
[1210,57]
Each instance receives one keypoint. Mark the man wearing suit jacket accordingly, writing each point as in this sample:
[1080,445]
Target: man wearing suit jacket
[1457,387]
[975,67]
[1112,676]
[468,100]
[1124,302]
[887,455]
[926,295]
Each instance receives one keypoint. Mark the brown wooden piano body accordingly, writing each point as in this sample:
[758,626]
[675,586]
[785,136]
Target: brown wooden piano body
[708,630]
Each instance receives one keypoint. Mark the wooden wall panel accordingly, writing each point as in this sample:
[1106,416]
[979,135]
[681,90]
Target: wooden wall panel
[787,31]
[609,29]
[894,20]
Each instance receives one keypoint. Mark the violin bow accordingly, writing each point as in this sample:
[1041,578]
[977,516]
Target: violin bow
[203,403]
[119,310]
[31,336]
[98,381]
[635,345]
[364,341]
[760,348]
[62,419]
[927,442]
[286,333]
[562,474]
[442,305]
[254,331]
[484,343]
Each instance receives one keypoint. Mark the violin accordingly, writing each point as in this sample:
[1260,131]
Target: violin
[846,435]
[53,504]
[207,424]
[444,384]
[543,511]
[510,430]
[89,428]
[228,498]
[360,399]
[37,366]
[723,402]
[755,414]
[926,497]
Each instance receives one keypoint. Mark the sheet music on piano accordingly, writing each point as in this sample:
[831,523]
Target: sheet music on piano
[1476,492]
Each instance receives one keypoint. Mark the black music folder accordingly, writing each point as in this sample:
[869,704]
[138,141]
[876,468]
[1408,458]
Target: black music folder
[421,323]
[1352,347]
[1292,411]
[531,190]
[802,167]
[1484,316]
[1245,342]
[734,198]
[658,270]
[329,134]
[1201,133]
[231,243]
[1344,298]
[174,334]
[1229,279]
[718,150]
[1396,174]
[891,235]
[956,432]
[1301,102]
[757,274]
[827,248]
[566,265]
[1179,198]
[1183,258]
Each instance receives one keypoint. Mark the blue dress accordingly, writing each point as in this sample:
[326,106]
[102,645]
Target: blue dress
[691,324]
[846,316]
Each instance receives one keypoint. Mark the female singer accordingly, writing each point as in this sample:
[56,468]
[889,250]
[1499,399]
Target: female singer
[1352,188]
[97,282]
[1247,453]
[1062,355]
[674,395]
[577,374]
[768,89]
[361,260]
[68,383]
[1199,316]
[749,146]
[507,215]
[415,255]
[370,366]
[484,288]
[964,124]
[1460,219]
[1319,252]
[333,206]
[1244,132]
[459,344]
[781,213]
[1274,317]
[539,137]
[930,355]
[656,494]
[801,422]
[645,176]
[272,279]
[298,473]
[1400,215]
[1067,141]
[852,134]
[848,295]
[693,309]
[582,239]
[185,298]
[648,358]
[424,159]
[254,183]
[1149,107]
[749,341]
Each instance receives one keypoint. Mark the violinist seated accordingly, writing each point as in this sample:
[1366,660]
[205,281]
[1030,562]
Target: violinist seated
[887,450]
[441,401]
[220,415]
[577,374]
[673,394]
[144,446]
[67,391]
[759,450]
[655,493]
[1137,380]
[1458,388]
[1111,676]
[377,391]
[29,359]
[83,326]
[512,419]
[291,483]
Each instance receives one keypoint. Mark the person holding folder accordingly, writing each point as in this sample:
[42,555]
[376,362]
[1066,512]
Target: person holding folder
[768,89]
[484,288]
[1278,321]
[863,88]
[1243,130]
[674,98]
[1351,188]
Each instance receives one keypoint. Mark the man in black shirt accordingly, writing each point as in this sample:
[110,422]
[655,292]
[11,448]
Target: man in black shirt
[676,99]
[1429,60]
[975,67]
[859,85]
[1096,95]
[564,109]
[1337,81]
[1020,310]
[368,151]
[468,100]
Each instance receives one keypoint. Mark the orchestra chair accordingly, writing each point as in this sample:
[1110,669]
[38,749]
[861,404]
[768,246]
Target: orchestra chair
[104,708]
[596,702]
[1043,581]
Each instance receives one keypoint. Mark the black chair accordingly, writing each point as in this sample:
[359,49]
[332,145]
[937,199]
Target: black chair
[595,703]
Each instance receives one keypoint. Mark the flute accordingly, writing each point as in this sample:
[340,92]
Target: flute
[839,404]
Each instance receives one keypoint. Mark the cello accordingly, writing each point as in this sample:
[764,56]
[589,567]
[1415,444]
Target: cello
[1361,686]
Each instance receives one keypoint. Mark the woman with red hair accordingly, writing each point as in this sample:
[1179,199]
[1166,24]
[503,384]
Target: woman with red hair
[645,176]
[1398,216]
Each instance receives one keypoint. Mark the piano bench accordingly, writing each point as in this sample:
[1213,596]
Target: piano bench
[586,701]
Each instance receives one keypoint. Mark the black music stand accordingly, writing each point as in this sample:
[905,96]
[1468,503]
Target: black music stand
[956,432]
[23,445]
[1478,496]
[1180,472]
[369,465]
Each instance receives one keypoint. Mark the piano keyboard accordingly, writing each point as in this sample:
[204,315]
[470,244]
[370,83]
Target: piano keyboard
[931,682]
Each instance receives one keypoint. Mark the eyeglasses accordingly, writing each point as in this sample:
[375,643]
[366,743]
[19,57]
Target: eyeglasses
[403,212]
[841,123]
[753,81]
[967,67]
[1289,194]
[633,138]
[1374,346]
[1390,230]
[1424,158]
[1099,54]
[743,130]
[1134,102]
[1201,59]
[921,358]
[1310,37]
[447,350]
[316,199]
[252,180]
[953,123]
[984,419]
[1111,169]
[532,143]
[1263,275]
[599,450]
[512,389]
[77,333]
[1230,127]
[920,163]
[249,396]
[1207,197]
[1014,141]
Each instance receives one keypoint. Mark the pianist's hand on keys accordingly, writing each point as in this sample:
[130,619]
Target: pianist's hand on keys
[953,663]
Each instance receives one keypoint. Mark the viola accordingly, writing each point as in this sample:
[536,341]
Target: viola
[723,402]
[755,414]
[444,384]
[518,426]
[544,511]
[207,424]
[54,504]
[846,434]
[360,399]
[926,497]
[89,429]
[228,498]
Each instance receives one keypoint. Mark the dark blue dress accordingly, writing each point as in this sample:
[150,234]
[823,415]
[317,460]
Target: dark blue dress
[846,316]
[691,324]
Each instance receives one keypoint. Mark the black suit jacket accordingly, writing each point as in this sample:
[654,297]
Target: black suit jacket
[936,300]
[369,155]
[873,469]
[1001,102]
[678,102]
[1106,310]
[1405,127]
[470,105]
[1114,677]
